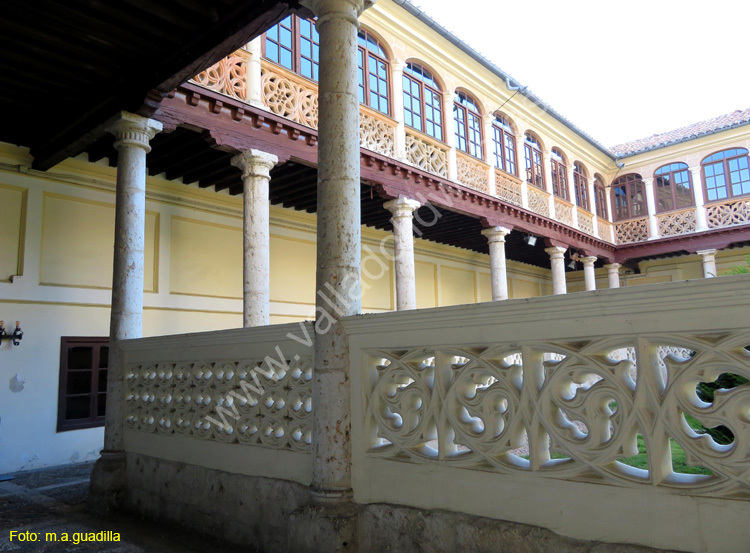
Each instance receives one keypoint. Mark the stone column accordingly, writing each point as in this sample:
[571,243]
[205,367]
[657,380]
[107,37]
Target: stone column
[403,245]
[449,125]
[338,282]
[653,223]
[557,258]
[547,155]
[256,166]
[498,269]
[397,85]
[700,202]
[709,262]
[613,274]
[488,156]
[521,162]
[132,135]
[254,78]
[589,274]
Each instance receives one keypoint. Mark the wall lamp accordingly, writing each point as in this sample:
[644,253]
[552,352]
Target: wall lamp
[530,239]
[15,337]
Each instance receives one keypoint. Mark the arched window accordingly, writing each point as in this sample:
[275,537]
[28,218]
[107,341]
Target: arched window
[673,188]
[600,198]
[726,174]
[533,157]
[629,197]
[559,175]
[581,184]
[373,73]
[422,101]
[293,43]
[468,125]
[503,145]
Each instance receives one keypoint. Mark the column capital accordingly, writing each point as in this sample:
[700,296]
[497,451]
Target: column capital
[706,253]
[648,181]
[449,98]
[402,206]
[695,170]
[326,9]
[496,234]
[134,130]
[397,65]
[588,260]
[556,252]
[488,118]
[254,163]
[612,267]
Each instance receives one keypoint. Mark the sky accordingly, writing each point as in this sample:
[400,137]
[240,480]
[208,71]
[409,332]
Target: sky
[618,71]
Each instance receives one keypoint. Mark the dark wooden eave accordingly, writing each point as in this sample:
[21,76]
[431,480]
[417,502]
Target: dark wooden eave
[68,67]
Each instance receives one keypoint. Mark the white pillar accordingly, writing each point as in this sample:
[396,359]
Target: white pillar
[498,268]
[338,283]
[557,259]
[488,156]
[572,193]
[403,245]
[256,166]
[653,223]
[397,85]
[521,164]
[253,76]
[589,274]
[132,135]
[613,274]
[709,262]
[610,206]
[700,201]
[449,125]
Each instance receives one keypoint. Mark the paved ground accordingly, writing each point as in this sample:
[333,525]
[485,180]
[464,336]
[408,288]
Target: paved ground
[53,501]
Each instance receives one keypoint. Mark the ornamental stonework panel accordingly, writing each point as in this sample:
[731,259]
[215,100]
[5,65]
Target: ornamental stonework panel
[287,98]
[585,221]
[472,173]
[728,213]
[228,76]
[678,222]
[538,201]
[564,213]
[263,402]
[377,135]
[634,230]
[426,156]
[507,189]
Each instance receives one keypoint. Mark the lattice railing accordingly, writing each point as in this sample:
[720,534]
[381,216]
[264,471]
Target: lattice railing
[538,201]
[606,230]
[289,95]
[632,230]
[472,172]
[426,155]
[564,212]
[376,132]
[260,397]
[736,212]
[507,188]
[677,222]
[585,221]
[228,76]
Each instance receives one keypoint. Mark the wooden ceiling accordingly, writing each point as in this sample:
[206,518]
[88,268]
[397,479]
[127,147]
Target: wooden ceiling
[68,66]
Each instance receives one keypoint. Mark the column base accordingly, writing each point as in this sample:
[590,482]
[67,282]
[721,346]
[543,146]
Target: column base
[108,483]
[324,526]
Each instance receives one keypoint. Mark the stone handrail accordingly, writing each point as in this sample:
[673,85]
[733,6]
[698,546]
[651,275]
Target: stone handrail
[677,222]
[246,388]
[724,214]
[457,407]
[564,211]
[472,173]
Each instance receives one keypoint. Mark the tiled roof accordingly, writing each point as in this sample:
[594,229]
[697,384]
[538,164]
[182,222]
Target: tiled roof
[724,122]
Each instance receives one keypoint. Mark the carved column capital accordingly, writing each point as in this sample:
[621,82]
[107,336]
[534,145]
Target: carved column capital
[331,9]
[402,206]
[255,163]
[134,130]
[496,234]
[556,252]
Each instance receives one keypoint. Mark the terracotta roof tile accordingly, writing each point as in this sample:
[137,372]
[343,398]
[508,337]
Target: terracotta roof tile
[734,119]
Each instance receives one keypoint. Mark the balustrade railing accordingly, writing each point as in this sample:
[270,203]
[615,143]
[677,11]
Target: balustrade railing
[508,188]
[585,221]
[564,212]
[289,95]
[377,132]
[606,230]
[538,201]
[427,154]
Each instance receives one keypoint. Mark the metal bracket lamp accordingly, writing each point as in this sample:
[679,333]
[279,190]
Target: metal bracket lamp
[15,337]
